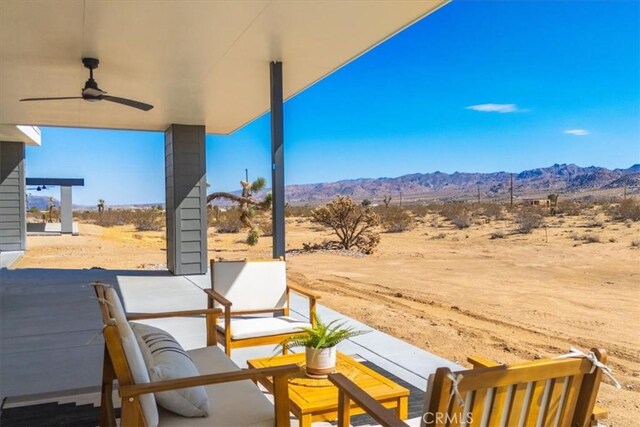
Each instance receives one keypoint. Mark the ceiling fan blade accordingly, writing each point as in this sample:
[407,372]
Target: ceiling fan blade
[128,102]
[51,99]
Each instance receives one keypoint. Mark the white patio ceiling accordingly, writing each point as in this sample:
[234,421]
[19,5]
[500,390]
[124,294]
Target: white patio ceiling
[197,62]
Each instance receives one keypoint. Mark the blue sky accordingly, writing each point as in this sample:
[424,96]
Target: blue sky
[477,86]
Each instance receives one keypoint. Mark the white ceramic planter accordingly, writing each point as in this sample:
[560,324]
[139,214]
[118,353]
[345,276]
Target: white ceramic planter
[320,362]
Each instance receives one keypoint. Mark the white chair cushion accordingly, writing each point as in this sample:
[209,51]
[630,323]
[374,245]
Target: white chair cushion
[251,285]
[235,404]
[166,359]
[243,327]
[134,356]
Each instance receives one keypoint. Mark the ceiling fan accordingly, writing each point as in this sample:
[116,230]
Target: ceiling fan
[92,93]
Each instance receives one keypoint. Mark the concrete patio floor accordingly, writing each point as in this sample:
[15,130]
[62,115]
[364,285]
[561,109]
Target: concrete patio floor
[50,328]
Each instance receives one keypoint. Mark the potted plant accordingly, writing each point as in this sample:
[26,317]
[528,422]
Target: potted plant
[320,343]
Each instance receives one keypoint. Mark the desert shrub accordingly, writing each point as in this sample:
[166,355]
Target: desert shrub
[213,213]
[612,240]
[594,223]
[457,213]
[298,211]
[635,243]
[420,210]
[395,219]
[591,238]
[148,219]
[266,227]
[229,222]
[628,209]
[569,208]
[528,219]
[113,217]
[451,210]
[462,220]
[354,225]
[253,236]
[498,235]
[493,210]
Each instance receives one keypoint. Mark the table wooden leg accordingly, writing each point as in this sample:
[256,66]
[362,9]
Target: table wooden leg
[402,410]
[305,420]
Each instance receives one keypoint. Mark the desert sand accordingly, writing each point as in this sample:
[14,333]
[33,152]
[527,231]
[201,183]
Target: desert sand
[455,293]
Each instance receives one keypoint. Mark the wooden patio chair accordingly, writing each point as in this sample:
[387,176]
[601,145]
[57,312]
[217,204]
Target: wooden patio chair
[548,392]
[235,399]
[249,291]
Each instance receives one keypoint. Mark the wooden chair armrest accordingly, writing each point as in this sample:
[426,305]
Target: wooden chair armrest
[599,413]
[135,390]
[348,391]
[481,362]
[184,313]
[303,292]
[219,298]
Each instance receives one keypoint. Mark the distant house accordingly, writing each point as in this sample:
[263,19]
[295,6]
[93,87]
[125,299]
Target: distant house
[536,202]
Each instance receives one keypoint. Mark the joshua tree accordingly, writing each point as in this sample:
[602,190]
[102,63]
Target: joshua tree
[248,204]
[386,201]
[354,225]
[101,206]
[553,202]
[50,209]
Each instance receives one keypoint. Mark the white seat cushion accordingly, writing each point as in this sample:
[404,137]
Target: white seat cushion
[236,404]
[243,327]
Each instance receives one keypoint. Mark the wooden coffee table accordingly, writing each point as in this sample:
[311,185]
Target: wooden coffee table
[317,400]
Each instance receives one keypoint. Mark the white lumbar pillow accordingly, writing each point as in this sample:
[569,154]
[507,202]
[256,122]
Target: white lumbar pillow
[165,360]
[134,356]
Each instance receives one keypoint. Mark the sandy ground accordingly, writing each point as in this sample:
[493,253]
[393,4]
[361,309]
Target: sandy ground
[452,292]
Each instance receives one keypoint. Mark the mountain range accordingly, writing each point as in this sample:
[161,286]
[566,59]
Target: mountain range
[559,178]
[566,179]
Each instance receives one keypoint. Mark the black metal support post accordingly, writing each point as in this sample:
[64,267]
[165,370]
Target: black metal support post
[277,160]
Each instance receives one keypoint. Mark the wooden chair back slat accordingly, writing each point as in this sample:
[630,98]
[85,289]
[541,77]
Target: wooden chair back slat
[552,392]
[498,409]
[518,400]
[478,406]
[571,401]
[556,401]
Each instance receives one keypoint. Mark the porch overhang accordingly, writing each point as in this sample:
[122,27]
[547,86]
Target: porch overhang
[200,63]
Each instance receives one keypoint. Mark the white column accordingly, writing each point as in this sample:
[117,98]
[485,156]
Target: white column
[66,209]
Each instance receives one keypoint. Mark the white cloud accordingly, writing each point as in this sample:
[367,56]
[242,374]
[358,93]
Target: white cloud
[577,132]
[496,108]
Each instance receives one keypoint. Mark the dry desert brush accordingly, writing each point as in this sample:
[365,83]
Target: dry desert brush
[528,219]
[395,219]
[354,225]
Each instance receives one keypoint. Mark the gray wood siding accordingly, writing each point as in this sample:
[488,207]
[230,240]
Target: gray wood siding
[13,234]
[186,196]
